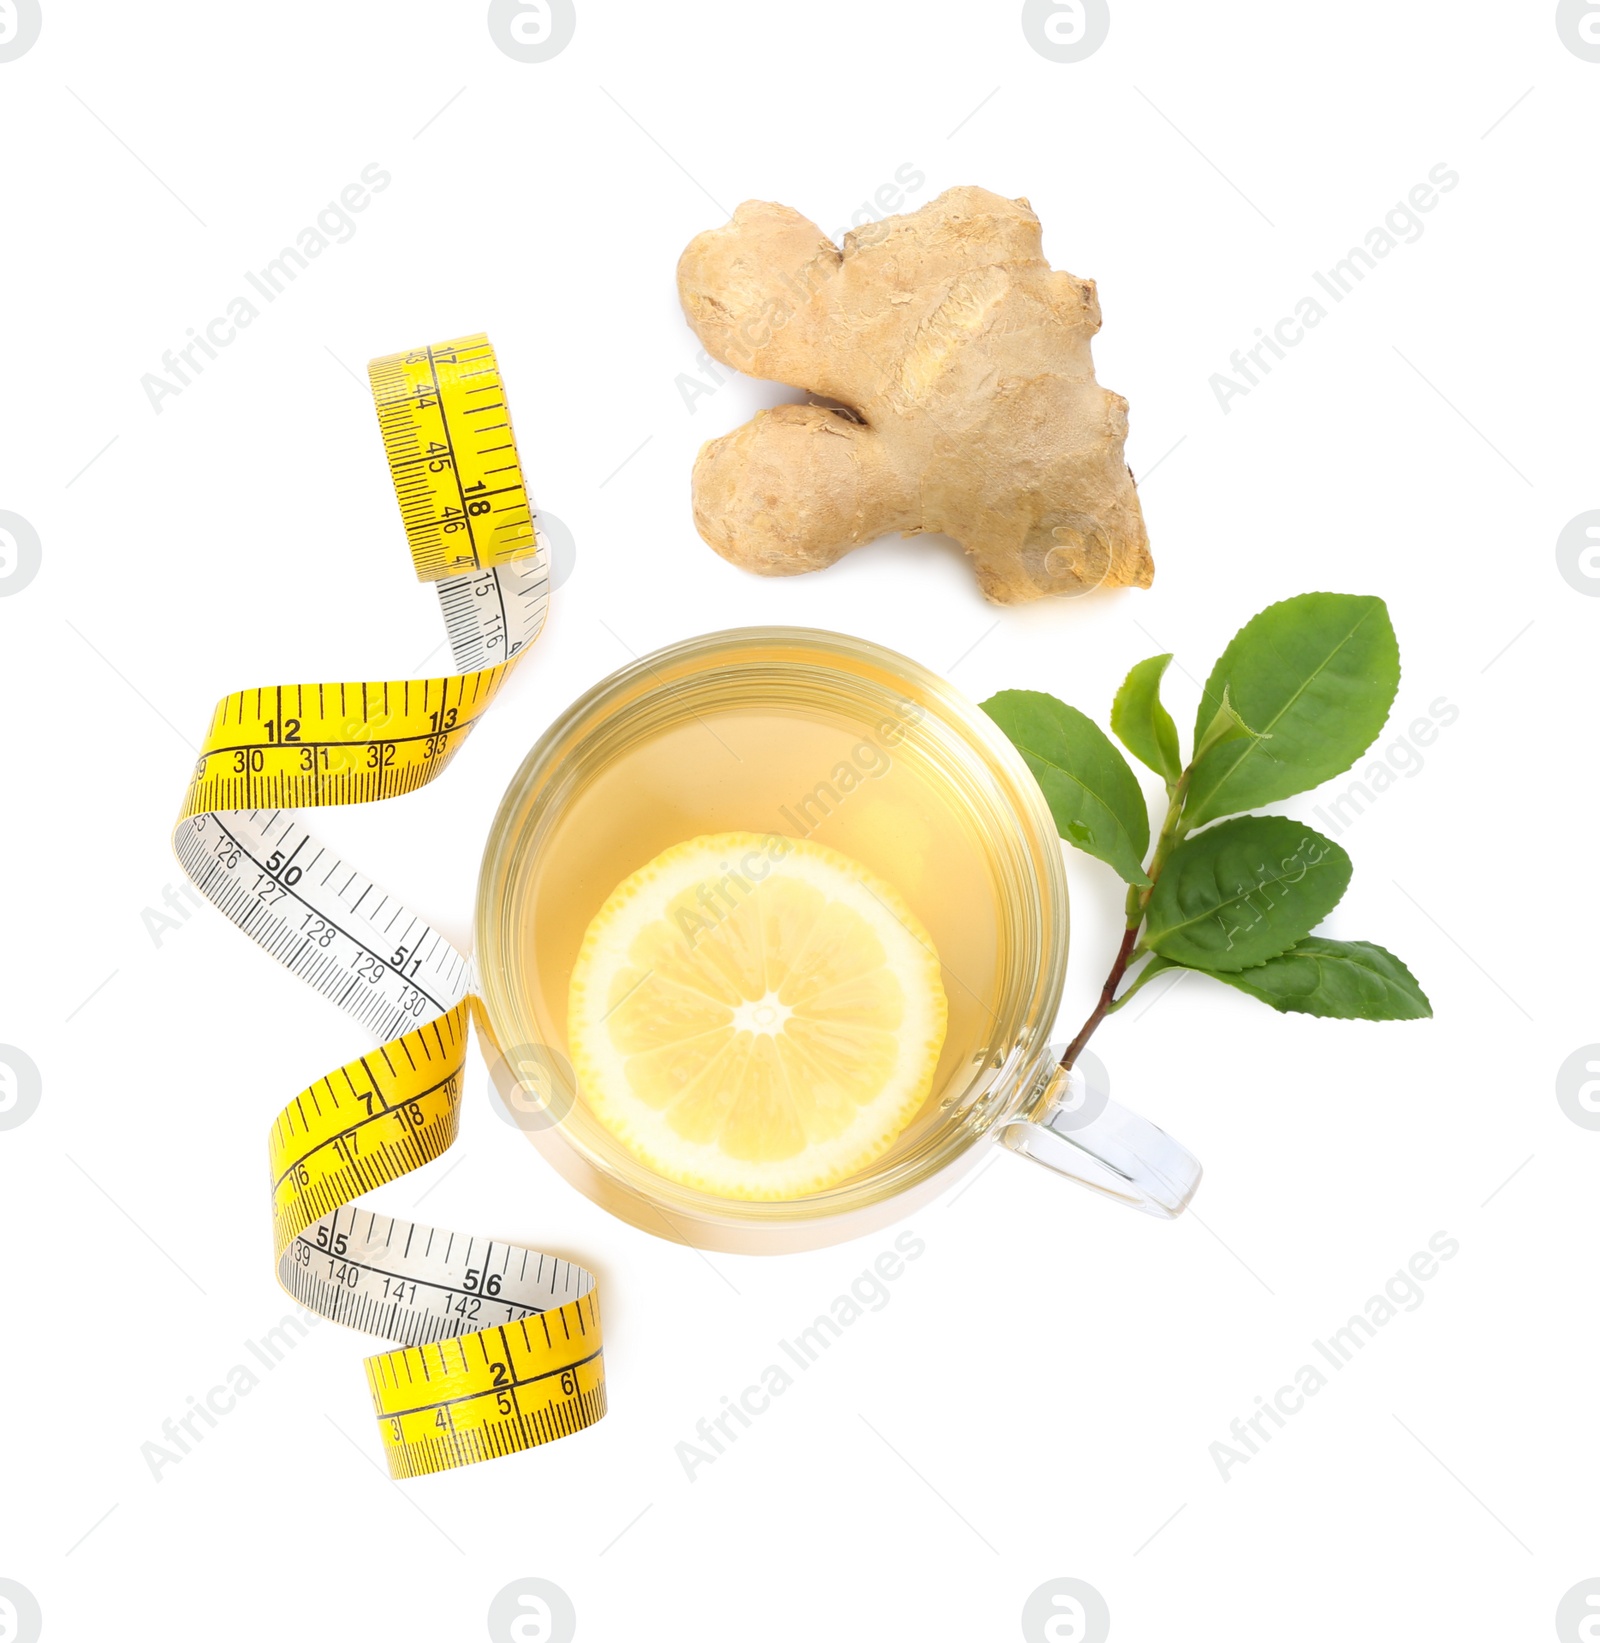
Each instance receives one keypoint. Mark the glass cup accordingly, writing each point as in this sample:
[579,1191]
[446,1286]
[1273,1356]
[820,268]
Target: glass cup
[802,733]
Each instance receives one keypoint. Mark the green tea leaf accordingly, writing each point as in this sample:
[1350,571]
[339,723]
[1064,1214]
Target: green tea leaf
[1225,727]
[1243,892]
[1142,724]
[1315,678]
[1092,793]
[1346,980]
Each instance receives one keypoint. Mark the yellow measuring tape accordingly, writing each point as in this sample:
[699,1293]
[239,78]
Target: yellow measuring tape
[447,434]
[500,1344]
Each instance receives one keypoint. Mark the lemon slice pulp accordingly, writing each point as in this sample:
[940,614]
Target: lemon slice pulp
[755,1017]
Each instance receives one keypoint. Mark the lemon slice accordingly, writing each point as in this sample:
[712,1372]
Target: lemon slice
[755,1017]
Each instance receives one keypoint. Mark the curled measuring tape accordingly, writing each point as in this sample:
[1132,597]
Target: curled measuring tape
[500,1345]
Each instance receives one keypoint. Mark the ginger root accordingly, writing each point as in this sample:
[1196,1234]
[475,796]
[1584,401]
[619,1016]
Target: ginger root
[963,398]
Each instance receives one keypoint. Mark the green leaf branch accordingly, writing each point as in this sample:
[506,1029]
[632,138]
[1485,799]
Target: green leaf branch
[1301,692]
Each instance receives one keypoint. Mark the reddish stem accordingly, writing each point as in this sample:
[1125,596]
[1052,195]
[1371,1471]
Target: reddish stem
[1108,994]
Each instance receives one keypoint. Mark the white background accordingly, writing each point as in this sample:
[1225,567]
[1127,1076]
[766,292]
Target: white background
[1040,1394]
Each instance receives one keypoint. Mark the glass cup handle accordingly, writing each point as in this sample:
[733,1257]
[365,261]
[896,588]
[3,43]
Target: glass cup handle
[1112,1150]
